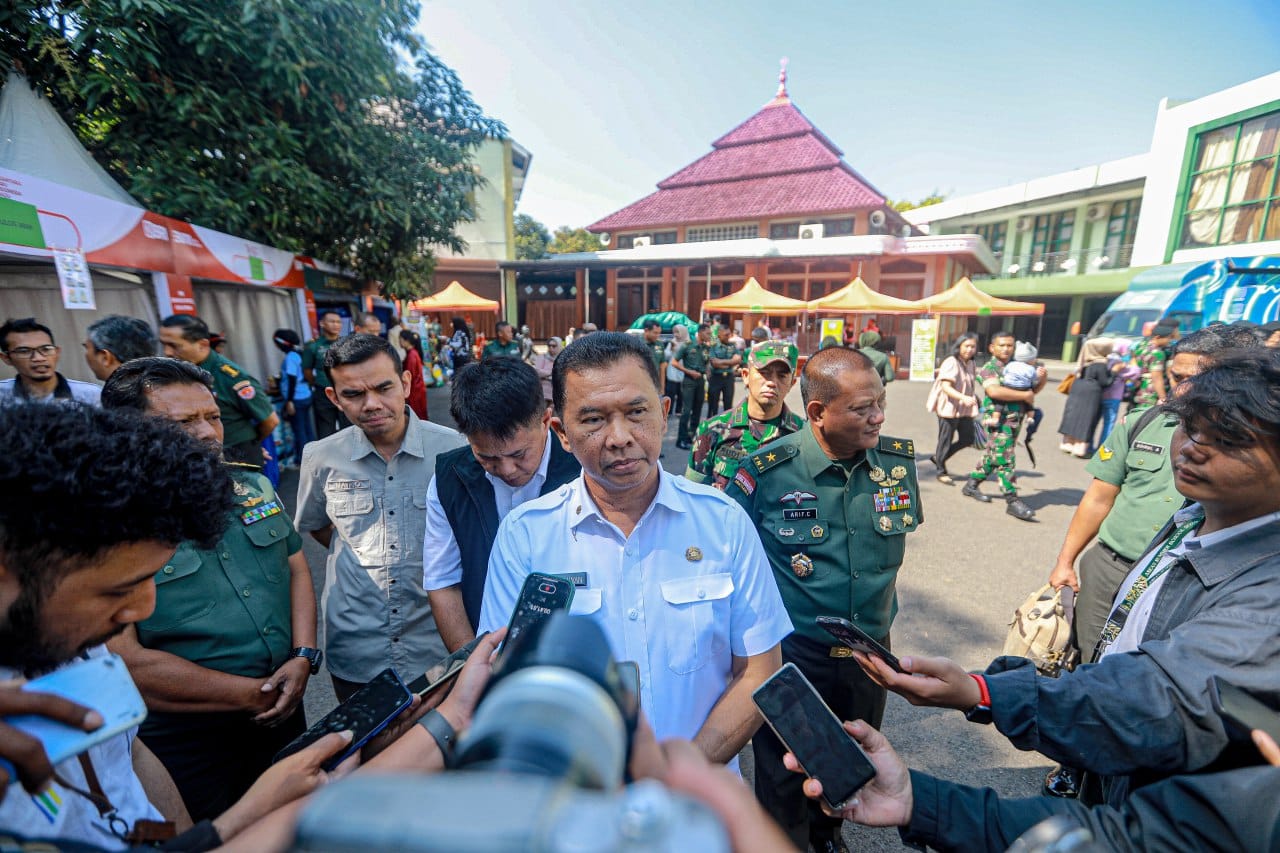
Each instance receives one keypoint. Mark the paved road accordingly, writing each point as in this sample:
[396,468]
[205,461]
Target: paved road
[966,570]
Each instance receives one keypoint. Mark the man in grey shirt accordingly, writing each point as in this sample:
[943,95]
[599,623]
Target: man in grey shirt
[362,493]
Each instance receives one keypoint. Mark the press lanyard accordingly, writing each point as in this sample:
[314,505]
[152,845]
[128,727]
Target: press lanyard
[1153,570]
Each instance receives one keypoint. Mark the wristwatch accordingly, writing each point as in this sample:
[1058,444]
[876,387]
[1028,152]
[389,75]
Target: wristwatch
[313,656]
[980,713]
[442,731]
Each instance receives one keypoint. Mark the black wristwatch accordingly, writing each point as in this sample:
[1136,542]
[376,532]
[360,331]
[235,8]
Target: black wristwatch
[442,731]
[313,656]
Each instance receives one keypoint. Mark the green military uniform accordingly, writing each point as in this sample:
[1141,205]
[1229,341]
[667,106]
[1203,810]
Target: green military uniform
[723,441]
[243,405]
[228,608]
[1150,358]
[658,350]
[1003,422]
[694,356]
[496,349]
[313,354]
[835,533]
[720,379]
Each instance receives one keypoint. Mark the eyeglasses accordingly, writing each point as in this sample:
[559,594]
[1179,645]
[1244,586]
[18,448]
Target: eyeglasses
[48,350]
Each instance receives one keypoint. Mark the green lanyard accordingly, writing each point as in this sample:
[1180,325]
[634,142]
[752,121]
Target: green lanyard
[1153,570]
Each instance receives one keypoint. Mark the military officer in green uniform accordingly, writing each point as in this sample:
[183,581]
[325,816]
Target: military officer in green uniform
[504,343]
[224,659]
[723,441]
[329,419]
[653,341]
[725,361]
[692,360]
[247,414]
[834,504]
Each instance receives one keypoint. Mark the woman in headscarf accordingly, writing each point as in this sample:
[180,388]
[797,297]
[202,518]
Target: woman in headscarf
[543,362]
[1084,402]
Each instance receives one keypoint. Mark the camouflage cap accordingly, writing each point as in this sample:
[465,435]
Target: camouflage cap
[768,352]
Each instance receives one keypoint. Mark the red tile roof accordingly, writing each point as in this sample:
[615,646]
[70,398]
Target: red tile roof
[776,163]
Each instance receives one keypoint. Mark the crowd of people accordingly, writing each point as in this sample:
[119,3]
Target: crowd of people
[135,519]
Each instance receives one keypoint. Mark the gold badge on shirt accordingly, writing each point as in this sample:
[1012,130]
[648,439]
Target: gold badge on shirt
[693,555]
[801,565]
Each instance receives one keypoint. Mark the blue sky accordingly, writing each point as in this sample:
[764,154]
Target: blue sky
[956,96]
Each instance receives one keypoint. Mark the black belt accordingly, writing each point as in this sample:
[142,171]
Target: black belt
[1114,553]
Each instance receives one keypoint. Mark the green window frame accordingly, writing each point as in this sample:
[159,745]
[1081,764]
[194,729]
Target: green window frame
[1122,224]
[1230,188]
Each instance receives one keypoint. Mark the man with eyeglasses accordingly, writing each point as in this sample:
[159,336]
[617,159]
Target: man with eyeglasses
[27,346]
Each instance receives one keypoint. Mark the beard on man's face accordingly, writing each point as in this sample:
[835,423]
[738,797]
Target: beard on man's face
[25,645]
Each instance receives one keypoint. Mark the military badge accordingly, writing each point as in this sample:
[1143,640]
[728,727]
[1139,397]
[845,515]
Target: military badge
[898,472]
[744,481]
[693,555]
[797,497]
[907,520]
[817,531]
[786,531]
[239,488]
[877,474]
[244,390]
[801,565]
[891,499]
[257,514]
[885,523]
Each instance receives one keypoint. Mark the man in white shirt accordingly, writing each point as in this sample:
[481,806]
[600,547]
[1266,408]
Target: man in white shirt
[675,572]
[498,405]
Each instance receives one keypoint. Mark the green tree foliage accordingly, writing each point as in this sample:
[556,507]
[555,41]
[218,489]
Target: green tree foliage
[932,198]
[568,240]
[319,126]
[532,238]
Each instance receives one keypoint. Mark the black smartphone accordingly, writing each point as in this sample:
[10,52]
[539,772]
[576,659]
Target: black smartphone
[853,637]
[629,675]
[1243,713]
[540,596]
[803,722]
[366,713]
[445,671]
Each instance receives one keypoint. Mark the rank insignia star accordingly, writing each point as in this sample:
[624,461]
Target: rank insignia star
[897,445]
[797,497]
[771,457]
[907,520]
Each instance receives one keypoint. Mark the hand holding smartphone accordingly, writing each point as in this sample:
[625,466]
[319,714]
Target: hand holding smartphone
[540,596]
[853,637]
[443,673]
[369,710]
[807,727]
[1241,711]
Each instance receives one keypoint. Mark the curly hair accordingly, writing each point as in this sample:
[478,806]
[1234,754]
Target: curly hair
[77,481]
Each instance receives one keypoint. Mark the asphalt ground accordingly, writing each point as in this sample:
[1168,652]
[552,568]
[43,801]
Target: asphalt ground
[967,567]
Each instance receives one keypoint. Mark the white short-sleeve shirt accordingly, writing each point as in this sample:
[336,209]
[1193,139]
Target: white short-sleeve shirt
[686,592]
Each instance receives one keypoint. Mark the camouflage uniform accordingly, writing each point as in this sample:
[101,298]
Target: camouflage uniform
[1148,357]
[725,440]
[1003,422]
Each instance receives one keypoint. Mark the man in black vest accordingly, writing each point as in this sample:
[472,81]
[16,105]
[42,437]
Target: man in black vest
[498,405]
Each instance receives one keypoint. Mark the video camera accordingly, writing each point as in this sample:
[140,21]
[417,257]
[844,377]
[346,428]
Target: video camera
[542,768]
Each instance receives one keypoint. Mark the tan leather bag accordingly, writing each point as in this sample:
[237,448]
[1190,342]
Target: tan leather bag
[1064,387]
[1041,630]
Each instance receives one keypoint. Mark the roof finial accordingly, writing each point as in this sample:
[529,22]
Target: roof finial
[782,79]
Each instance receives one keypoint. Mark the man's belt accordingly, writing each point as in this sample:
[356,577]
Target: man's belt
[840,652]
[1116,555]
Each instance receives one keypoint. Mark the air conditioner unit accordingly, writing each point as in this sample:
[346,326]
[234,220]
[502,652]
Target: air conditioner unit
[876,219]
[640,242]
[1024,224]
[605,238]
[1096,212]
[811,232]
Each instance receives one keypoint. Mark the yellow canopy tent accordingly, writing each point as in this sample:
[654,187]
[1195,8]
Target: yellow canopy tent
[965,298]
[857,297]
[754,299]
[455,297]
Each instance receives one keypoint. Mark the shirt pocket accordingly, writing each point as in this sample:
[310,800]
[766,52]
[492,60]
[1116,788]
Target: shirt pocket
[181,594]
[800,537]
[269,538]
[695,620]
[351,509]
[414,524]
[1145,460]
[585,602]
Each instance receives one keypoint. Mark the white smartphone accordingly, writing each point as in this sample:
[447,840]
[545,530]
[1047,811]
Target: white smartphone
[100,683]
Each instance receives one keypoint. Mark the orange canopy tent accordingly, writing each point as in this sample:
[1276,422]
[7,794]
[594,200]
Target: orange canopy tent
[754,299]
[455,297]
[857,297]
[964,298]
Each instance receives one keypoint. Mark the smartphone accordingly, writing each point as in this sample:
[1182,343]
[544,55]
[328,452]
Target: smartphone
[1242,712]
[803,722]
[445,671]
[853,637]
[540,596]
[101,683]
[366,713]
